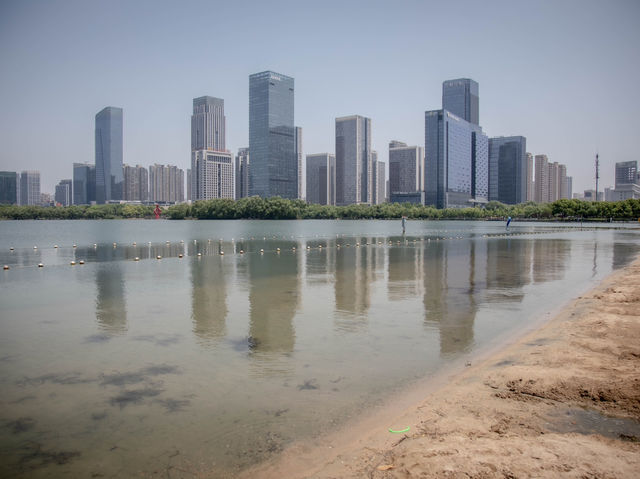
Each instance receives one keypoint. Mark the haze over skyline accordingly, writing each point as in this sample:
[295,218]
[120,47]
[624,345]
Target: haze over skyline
[562,74]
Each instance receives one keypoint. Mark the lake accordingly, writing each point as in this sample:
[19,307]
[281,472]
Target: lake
[247,335]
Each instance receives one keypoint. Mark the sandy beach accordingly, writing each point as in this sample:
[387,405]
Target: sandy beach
[563,400]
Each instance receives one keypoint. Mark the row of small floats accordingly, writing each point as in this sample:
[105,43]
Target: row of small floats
[309,247]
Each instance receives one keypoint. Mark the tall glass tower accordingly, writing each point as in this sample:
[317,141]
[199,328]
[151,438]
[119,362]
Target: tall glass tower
[109,174]
[354,160]
[460,97]
[272,145]
[208,124]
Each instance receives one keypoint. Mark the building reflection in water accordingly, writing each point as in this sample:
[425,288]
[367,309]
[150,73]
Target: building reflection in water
[274,295]
[449,292]
[356,269]
[209,297]
[550,259]
[508,269]
[405,272]
[111,308]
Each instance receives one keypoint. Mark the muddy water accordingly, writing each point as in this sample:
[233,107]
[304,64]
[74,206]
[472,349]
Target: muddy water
[207,363]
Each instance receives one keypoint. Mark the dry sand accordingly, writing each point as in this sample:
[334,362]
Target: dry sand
[562,401]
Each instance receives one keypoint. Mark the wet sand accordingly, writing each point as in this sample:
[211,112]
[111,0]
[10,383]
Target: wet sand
[564,400]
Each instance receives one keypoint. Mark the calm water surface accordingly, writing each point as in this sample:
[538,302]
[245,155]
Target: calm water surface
[205,364]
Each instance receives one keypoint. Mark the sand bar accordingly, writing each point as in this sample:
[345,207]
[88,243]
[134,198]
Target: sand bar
[564,400]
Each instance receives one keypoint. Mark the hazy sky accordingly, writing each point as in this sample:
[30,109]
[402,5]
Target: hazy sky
[565,74]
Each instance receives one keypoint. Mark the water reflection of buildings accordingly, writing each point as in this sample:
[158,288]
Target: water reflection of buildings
[405,272]
[274,293]
[509,265]
[357,267]
[452,269]
[111,308]
[550,259]
[209,297]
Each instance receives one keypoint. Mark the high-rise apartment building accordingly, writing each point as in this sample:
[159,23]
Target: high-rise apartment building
[627,181]
[354,162]
[379,180]
[542,179]
[242,173]
[211,175]
[84,183]
[508,169]
[460,97]
[166,184]
[136,183]
[208,124]
[8,187]
[569,187]
[30,188]
[272,143]
[530,183]
[64,192]
[456,161]
[108,146]
[406,168]
[299,157]
[321,179]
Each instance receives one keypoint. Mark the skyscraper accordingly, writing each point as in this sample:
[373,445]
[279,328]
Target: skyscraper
[272,145]
[406,168]
[379,180]
[30,188]
[242,173]
[208,124]
[108,146]
[84,183]
[508,169]
[460,97]
[301,177]
[353,160]
[626,173]
[64,192]
[8,187]
[456,161]
[530,183]
[542,179]
[321,179]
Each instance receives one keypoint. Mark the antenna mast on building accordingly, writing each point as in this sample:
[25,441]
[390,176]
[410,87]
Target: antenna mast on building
[597,175]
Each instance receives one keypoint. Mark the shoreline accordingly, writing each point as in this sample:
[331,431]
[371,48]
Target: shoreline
[562,398]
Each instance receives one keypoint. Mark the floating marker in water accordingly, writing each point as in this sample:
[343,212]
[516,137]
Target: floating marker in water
[180,255]
[5,267]
[261,251]
[278,250]
[135,244]
[55,246]
[199,254]
[40,265]
[136,259]
[95,245]
[158,257]
[75,246]
[241,251]
[81,261]
[35,247]
[11,249]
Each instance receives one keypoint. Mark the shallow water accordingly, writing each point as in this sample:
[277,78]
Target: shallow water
[209,363]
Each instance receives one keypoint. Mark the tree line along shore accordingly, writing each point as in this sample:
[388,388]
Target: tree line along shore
[278,208]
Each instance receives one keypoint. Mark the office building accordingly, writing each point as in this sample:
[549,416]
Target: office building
[84,183]
[456,161]
[354,161]
[460,97]
[626,173]
[211,175]
[64,193]
[8,187]
[242,173]
[299,158]
[136,183]
[568,187]
[208,124]
[30,188]
[189,197]
[166,184]
[590,195]
[321,179]
[406,169]
[108,147]
[274,166]
[508,169]
[530,182]
[46,199]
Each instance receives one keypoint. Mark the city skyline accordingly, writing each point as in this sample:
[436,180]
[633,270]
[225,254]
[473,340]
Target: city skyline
[538,93]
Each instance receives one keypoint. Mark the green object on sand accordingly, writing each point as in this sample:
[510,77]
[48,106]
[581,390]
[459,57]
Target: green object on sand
[398,432]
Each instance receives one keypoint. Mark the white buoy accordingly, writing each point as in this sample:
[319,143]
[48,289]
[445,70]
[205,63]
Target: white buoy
[73,246]
[95,245]
[278,250]
[294,248]
[55,246]
[115,244]
[221,253]
[81,261]
[241,251]
[180,255]
[11,249]
[35,247]
[199,254]
[5,267]
[134,243]
[261,251]
[73,263]
[158,257]
[136,259]
[40,265]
